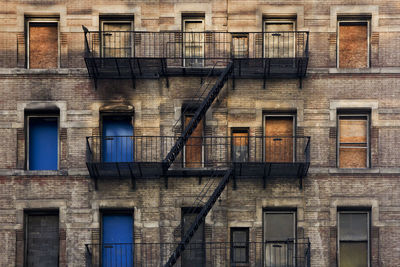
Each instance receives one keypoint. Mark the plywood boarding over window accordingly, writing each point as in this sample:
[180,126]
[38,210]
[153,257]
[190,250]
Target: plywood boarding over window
[194,145]
[353,45]
[279,139]
[353,142]
[279,39]
[240,146]
[117,39]
[43,45]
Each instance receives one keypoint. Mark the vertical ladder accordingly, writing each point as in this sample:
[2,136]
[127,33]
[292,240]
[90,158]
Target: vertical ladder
[199,219]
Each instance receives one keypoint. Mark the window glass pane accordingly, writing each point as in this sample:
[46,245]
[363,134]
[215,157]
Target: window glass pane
[353,45]
[239,255]
[353,226]
[279,226]
[239,236]
[194,254]
[43,45]
[43,143]
[353,254]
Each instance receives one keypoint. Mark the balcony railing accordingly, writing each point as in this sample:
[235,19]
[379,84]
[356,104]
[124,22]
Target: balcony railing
[290,253]
[252,156]
[135,54]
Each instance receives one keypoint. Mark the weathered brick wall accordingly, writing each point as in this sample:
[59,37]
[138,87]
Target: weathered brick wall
[157,209]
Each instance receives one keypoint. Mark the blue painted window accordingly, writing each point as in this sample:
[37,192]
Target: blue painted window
[117,234]
[43,143]
[118,145]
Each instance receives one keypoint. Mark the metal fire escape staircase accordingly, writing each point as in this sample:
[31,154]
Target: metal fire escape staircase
[177,148]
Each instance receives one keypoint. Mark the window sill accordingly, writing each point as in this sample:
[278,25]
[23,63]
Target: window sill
[353,170]
[59,71]
[383,70]
[39,173]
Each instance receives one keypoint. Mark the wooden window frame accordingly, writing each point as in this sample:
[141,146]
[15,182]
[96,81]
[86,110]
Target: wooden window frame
[354,21]
[115,20]
[42,20]
[192,19]
[239,229]
[368,134]
[368,232]
[294,116]
[289,20]
[27,118]
[38,212]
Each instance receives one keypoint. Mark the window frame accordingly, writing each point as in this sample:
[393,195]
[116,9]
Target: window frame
[43,20]
[294,119]
[115,20]
[27,119]
[193,19]
[353,21]
[38,212]
[368,233]
[239,229]
[368,134]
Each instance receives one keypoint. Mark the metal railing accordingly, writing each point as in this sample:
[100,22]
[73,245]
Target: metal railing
[207,151]
[195,49]
[289,253]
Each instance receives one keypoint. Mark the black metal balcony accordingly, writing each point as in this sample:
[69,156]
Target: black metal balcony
[254,156]
[290,253]
[134,54]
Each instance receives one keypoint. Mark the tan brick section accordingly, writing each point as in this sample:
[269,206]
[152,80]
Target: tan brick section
[326,89]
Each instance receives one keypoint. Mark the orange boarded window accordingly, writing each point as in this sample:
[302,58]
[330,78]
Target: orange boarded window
[279,138]
[194,145]
[353,45]
[43,45]
[353,141]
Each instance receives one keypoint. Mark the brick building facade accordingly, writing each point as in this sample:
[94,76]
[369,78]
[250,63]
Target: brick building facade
[325,92]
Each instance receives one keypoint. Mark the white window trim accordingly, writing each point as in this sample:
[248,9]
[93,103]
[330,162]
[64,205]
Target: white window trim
[27,139]
[368,234]
[293,134]
[368,39]
[39,20]
[367,136]
[116,21]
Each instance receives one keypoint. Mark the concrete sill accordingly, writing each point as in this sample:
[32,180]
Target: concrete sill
[383,70]
[353,171]
[60,71]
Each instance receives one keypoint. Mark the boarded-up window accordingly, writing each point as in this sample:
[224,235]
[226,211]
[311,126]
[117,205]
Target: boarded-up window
[279,143]
[194,254]
[353,141]
[353,239]
[240,46]
[42,240]
[193,42]
[279,39]
[117,38]
[279,232]
[43,45]
[353,45]
[240,146]
[194,145]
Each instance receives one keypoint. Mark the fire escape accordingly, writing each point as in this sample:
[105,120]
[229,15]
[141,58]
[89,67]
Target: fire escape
[166,54]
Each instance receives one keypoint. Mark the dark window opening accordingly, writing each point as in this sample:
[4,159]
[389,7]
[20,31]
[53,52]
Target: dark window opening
[194,255]
[239,245]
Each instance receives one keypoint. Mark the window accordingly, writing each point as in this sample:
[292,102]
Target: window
[239,246]
[279,235]
[43,44]
[353,43]
[117,37]
[353,145]
[193,42]
[240,45]
[42,142]
[117,141]
[279,38]
[353,238]
[279,138]
[194,255]
[193,150]
[117,238]
[240,145]
[42,238]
